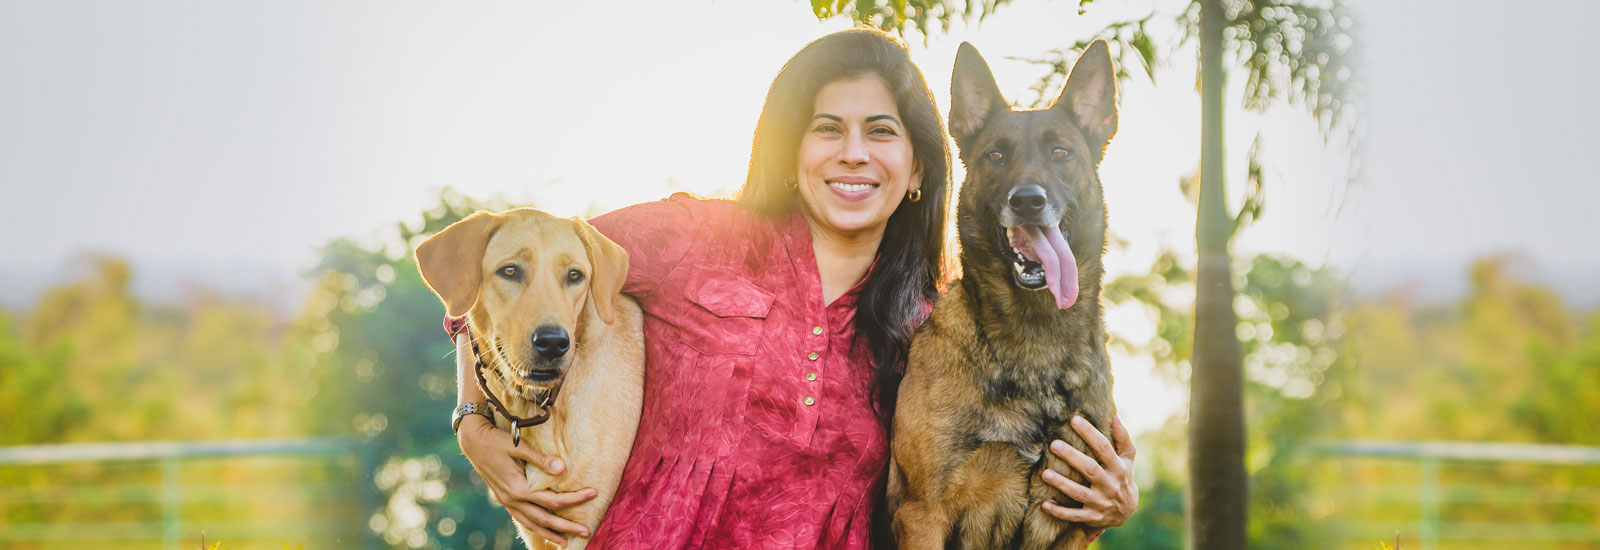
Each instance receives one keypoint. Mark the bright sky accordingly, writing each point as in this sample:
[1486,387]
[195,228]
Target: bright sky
[219,143]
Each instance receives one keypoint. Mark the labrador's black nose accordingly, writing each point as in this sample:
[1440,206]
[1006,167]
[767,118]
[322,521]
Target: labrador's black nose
[551,341]
[1028,201]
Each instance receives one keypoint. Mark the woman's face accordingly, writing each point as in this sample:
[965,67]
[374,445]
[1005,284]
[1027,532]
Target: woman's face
[855,160]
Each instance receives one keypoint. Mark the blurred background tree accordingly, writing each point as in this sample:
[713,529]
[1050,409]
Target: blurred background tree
[385,374]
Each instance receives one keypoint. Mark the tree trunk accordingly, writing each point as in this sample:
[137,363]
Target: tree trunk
[1218,496]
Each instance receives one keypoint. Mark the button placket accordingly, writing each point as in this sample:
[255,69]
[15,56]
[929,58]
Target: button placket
[819,342]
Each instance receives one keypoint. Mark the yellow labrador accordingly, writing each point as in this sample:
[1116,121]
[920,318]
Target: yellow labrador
[555,338]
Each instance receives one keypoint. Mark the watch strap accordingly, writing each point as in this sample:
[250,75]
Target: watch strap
[464,409]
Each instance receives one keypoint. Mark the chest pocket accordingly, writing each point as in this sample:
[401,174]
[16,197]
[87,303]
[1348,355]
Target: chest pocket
[727,314]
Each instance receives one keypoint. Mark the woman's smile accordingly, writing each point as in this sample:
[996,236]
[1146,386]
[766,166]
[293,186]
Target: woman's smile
[852,188]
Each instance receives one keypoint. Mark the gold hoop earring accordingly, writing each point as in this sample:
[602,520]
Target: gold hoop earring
[915,195]
[792,183]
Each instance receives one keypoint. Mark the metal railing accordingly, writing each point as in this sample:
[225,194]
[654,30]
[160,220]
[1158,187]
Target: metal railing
[340,462]
[1432,498]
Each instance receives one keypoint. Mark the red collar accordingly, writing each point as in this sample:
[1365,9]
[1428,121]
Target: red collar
[454,326]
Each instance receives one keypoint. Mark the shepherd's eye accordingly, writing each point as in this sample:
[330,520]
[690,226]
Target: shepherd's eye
[574,276]
[995,156]
[510,272]
[1059,153]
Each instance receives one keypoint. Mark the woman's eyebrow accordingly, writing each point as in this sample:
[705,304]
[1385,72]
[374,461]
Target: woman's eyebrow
[887,117]
[829,116]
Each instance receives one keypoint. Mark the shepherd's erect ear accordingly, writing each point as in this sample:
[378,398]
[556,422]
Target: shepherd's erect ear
[451,261]
[973,96]
[610,264]
[1091,95]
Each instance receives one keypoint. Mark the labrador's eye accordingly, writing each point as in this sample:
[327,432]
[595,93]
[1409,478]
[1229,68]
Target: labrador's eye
[994,156]
[510,272]
[1059,153]
[574,276]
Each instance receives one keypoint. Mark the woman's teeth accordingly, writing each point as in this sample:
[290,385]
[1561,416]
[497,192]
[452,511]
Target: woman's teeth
[851,186]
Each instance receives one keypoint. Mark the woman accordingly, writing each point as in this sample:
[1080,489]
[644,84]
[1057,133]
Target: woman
[764,413]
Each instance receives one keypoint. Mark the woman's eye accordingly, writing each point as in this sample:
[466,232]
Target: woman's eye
[827,129]
[884,131]
[1059,153]
[574,276]
[510,272]
[994,156]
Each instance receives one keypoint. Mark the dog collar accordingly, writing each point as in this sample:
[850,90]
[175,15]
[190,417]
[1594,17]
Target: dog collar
[546,402]
[454,326]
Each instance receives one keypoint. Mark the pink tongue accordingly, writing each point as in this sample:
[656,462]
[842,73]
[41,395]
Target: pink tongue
[1046,245]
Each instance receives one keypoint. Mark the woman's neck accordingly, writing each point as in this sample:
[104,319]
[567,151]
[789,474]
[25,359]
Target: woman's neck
[842,259]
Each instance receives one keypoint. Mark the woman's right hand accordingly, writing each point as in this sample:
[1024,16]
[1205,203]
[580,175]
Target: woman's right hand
[501,466]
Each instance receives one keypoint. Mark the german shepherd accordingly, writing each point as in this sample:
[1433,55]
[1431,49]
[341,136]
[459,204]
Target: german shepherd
[1018,345]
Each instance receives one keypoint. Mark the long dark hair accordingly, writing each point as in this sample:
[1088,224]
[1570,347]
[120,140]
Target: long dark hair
[910,257]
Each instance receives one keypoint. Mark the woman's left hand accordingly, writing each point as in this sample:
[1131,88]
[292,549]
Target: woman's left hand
[1111,495]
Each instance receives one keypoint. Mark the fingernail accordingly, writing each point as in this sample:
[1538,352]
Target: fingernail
[1048,505]
[1058,446]
[1050,474]
[1079,420]
[555,465]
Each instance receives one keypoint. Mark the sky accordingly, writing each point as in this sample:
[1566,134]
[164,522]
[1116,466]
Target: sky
[216,145]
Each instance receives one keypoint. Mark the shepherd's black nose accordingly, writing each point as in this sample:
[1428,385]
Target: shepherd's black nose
[1028,200]
[550,341]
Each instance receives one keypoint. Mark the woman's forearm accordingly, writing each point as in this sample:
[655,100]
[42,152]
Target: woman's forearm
[467,390]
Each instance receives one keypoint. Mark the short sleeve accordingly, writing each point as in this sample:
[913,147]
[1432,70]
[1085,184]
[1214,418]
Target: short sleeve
[657,235]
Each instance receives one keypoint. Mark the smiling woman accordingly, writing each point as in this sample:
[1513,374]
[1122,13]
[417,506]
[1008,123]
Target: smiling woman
[776,327]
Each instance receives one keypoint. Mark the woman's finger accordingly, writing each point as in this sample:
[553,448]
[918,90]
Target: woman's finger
[1090,468]
[548,520]
[1073,489]
[551,500]
[1098,442]
[524,520]
[1085,516]
[550,465]
[1119,435]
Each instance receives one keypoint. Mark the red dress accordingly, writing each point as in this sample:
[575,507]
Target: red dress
[758,429]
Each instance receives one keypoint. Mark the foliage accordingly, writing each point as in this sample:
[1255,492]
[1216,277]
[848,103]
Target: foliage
[383,366]
[1291,325]
[895,14]
[91,362]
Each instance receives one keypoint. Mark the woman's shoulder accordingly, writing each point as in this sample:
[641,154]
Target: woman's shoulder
[681,210]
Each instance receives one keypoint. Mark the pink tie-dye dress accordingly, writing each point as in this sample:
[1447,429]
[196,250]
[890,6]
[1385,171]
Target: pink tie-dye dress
[758,430]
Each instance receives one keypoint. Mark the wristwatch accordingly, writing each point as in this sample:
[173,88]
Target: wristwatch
[464,409]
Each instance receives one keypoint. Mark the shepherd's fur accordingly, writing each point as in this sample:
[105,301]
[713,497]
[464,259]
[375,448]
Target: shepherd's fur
[998,371]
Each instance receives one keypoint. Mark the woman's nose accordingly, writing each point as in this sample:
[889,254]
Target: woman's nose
[855,150]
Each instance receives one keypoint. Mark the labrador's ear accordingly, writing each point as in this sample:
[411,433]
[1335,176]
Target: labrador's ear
[451,261]
[610,265]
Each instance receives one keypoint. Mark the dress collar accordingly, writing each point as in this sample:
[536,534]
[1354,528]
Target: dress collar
[797,238]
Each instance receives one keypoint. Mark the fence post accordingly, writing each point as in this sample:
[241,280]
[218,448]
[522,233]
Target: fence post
[171,503]
[1430,503]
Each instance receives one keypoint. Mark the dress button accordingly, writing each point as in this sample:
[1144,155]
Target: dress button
[810,401]
[816,330]
[811,376]
[812,356]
